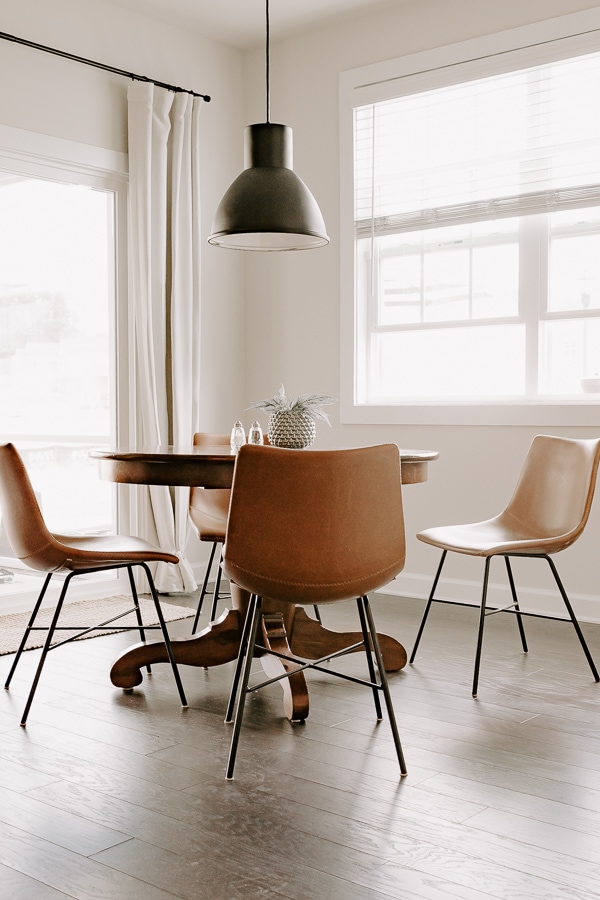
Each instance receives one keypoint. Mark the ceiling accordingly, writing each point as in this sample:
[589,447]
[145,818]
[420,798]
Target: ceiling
[241,23]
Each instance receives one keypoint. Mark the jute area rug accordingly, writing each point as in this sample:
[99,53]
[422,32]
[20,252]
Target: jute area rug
[83,614]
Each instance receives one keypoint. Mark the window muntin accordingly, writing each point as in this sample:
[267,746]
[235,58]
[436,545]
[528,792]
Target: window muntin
[464,289]
[447,274]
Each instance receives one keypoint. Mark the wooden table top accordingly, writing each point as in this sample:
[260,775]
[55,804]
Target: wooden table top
[210,467]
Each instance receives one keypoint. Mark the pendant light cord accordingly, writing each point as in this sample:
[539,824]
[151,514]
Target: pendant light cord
[268,64]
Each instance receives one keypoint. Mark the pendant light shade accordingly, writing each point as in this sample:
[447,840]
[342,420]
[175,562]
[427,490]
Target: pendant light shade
[268,207]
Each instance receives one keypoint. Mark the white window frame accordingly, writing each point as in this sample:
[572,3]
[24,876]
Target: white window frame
[56,159]
[518,48]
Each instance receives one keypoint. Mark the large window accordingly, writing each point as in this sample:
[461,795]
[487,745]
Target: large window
[56,355]
[58,345]
[476,236]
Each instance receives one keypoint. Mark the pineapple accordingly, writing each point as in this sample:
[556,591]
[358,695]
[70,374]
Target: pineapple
[292,423]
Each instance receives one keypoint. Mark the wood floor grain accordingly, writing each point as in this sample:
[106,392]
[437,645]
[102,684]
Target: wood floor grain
[123,796]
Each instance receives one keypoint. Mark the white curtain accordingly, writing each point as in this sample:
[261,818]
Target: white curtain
[164,265]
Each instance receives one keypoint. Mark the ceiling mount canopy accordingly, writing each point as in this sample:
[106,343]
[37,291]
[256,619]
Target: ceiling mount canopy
[268,207]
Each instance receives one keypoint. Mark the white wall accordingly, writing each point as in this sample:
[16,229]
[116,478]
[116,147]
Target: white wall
[293,300]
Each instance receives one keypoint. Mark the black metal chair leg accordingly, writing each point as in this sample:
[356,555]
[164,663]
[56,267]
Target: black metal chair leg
[136,603]
[213,610]
[384,685]
[138,614]
[46,647]
[203,592]
[240,660]
[165,634]
[36,608]
[513,591]
[573,618]
[368,651]
[317,613]
[481,625]
[256,614]
[428,606]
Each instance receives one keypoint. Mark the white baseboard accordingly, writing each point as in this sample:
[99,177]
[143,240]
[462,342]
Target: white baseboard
[540,601]
[533,600]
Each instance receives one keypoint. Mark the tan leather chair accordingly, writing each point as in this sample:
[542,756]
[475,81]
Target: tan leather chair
[331,529]
[547,513]
[53,554]
[208,511]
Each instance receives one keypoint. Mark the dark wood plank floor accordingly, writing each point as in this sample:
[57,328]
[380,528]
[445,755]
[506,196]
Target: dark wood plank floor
[108,795]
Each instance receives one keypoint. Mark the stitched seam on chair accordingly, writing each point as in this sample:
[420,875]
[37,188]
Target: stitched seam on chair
[24,559]
[314,584]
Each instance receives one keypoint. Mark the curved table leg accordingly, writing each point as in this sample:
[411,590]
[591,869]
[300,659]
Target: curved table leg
[295,690]
[309,639]
[215,645]
[312,640]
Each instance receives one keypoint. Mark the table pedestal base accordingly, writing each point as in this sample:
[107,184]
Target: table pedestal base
[285,628]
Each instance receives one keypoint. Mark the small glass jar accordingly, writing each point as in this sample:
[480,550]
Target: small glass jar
[238,437]
[255,435]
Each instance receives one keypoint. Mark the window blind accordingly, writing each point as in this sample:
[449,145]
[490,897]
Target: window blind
[507,145]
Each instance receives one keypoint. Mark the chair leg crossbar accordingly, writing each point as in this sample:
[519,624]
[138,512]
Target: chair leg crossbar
[240,687]
[313,664]
[513,608]
[54,627]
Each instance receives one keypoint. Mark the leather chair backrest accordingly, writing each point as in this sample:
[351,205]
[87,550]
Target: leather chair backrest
[208,508]
[310,527]
[554,493]
[26,530]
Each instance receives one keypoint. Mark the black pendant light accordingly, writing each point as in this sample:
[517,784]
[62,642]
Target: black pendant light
[268,207]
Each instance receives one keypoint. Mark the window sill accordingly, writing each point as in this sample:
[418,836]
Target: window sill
[582,412]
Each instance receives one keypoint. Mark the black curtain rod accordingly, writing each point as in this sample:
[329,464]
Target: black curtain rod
[97,65]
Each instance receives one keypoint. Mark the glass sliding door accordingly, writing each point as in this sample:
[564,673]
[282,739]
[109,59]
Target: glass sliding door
[58,348]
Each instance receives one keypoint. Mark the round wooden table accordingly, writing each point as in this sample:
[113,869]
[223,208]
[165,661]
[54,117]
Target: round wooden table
[209,467]
[285,628]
